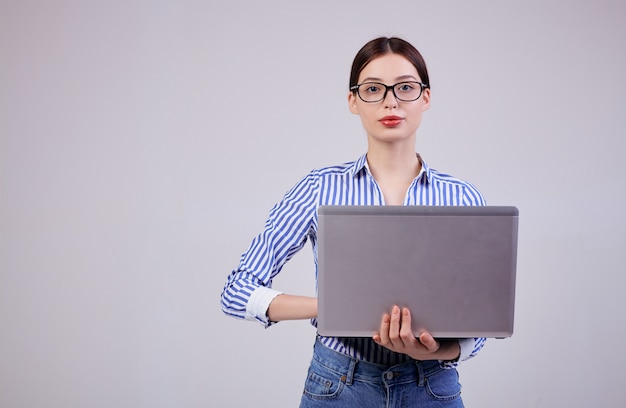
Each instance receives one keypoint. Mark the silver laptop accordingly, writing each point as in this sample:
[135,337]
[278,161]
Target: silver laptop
[453,267]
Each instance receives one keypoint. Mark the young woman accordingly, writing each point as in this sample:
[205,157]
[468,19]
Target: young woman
[389,89]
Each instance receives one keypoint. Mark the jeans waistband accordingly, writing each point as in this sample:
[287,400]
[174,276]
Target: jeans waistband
[362,370]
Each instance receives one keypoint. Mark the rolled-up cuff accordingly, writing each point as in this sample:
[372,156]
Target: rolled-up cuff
[259,302]
[467,347]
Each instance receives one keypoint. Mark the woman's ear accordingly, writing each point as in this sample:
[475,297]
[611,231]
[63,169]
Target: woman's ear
[426,98]
[352,103]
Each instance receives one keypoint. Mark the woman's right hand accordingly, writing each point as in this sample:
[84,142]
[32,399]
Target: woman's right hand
[396,335]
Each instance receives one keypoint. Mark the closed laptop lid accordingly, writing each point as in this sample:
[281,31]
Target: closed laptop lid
[453,267]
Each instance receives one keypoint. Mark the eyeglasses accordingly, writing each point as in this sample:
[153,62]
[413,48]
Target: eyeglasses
[375,91]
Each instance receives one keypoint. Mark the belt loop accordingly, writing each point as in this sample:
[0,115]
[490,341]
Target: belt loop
[420,374]
[351,370]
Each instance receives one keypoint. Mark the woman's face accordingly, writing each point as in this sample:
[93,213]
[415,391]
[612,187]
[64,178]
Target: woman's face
[390,119]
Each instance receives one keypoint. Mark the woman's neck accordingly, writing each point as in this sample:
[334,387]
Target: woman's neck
[393,162]
[394,171]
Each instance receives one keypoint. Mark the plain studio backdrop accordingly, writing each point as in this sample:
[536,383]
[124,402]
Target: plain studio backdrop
[142,144]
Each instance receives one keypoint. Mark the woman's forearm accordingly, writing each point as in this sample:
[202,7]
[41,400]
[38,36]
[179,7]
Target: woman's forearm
[291,307]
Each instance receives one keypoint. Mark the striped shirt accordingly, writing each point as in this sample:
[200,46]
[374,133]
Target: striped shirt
[292,221]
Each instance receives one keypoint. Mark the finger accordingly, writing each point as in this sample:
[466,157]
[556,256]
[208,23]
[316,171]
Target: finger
[429,342]
[394,326]
[406,334]
[383,336]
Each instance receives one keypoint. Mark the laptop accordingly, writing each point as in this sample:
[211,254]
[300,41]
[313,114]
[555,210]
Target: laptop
[453,267]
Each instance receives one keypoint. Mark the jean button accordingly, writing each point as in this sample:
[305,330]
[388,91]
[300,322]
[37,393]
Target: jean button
[389,375]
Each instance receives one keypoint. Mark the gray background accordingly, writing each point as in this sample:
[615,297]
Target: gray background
[142,144]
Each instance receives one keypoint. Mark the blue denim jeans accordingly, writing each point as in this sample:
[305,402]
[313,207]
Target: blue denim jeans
[337,380]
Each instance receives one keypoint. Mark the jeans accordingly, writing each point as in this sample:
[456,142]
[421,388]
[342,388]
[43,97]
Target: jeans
[337,380]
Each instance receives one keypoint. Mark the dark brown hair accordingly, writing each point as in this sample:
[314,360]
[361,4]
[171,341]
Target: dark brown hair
[387,45]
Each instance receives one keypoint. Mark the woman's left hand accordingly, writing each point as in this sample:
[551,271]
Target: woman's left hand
[396,335]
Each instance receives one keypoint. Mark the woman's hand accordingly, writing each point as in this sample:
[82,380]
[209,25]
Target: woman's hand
[396,335]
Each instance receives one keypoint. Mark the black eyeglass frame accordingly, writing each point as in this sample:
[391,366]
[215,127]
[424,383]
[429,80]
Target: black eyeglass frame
[356,87]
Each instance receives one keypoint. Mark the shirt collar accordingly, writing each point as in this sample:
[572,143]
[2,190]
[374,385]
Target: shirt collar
[360,165]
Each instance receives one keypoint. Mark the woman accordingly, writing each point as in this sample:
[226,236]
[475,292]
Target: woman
[389,89]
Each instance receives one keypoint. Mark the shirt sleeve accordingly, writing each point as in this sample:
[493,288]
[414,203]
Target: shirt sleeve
[247,292]
[471,196]
[259,302]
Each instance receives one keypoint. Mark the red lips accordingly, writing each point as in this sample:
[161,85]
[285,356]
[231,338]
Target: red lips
[391,121]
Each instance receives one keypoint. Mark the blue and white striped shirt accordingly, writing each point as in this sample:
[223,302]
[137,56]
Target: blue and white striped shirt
[247,293]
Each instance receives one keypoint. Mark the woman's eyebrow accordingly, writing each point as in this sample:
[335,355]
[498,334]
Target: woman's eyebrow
[405,77]
[400,78]
[371,79]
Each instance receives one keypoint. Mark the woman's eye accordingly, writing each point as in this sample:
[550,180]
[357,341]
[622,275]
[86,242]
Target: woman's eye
[405,87]
[372,89]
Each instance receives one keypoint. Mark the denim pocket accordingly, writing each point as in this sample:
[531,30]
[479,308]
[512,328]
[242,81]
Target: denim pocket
[444,385]
[322,383]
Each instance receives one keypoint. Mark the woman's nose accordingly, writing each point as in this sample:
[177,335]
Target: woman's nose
[390,100]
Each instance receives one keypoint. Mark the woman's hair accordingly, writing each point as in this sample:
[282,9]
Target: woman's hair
[387,45]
